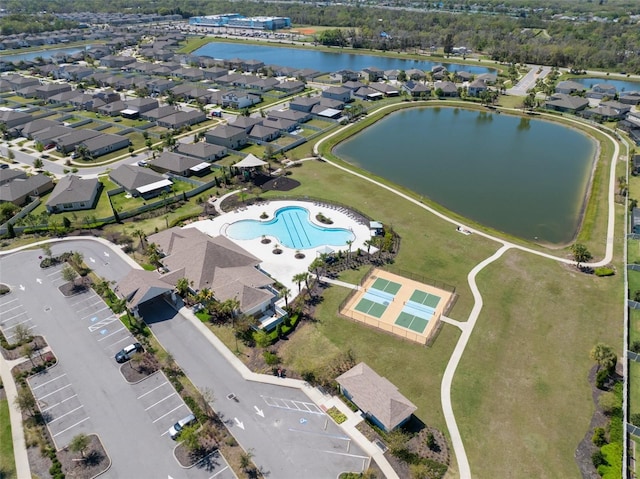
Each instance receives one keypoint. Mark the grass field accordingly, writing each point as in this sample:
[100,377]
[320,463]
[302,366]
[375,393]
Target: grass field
[634,387]
[521,388]
[7,464]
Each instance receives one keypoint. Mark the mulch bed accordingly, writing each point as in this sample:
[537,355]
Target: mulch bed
[95,461]
[586,447]
[135,371]
[35,361]
[282,183]
[187,458]
[37,343]
[78,286]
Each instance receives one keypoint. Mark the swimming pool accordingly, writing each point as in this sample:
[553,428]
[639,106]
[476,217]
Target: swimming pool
[292,227]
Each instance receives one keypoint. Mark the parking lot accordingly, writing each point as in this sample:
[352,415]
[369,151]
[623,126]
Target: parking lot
[61,409]
[12,314]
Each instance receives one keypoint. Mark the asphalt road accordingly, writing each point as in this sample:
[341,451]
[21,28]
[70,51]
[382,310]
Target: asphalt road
[86,392]
[288,434]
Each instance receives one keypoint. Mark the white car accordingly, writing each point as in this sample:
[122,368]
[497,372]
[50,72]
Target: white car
[174,431]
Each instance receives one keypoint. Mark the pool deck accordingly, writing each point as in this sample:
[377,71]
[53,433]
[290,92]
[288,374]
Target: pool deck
[283,267]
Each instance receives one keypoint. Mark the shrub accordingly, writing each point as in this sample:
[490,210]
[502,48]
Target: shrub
[599,437]
[271,358]
[635,347]
[597,458]
[603,271]
[609,403]
[601,378]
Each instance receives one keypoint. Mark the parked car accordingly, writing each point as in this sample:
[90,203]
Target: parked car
[4,166]
[174,431]
[125,353]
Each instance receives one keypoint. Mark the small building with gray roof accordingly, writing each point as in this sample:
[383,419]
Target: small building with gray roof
[73,193]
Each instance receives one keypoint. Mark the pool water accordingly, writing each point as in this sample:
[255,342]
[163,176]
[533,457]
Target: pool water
[292,227]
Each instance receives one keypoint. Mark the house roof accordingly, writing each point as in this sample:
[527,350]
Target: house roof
[139,286]
[19,187]
[376,395]
[200,150]
[72,189]
[8,174]
[225,131]
[103,140]
[246,121]
[175,163]
[562,100]
[133,177]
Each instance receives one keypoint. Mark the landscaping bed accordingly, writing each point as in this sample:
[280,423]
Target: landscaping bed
[95,460]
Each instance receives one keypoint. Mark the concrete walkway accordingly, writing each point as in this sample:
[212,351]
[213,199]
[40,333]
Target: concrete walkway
[337,282]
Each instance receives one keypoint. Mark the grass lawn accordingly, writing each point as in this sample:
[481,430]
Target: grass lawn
[634,325]
[634,387]
[322,124]
[521,389]
[633,251]
[7,463]
[634,282]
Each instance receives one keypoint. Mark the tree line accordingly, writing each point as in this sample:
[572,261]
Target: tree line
[532,38]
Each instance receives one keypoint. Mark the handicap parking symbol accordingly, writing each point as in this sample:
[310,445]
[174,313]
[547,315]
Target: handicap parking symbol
[303,420]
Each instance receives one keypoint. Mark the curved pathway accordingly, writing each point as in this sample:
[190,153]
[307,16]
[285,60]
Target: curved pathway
[467,328]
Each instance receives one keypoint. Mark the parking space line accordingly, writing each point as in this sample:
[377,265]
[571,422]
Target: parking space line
[17,324]
[149,392]
[87,307]
[49,381]
[81,301]
[220,471]
[66,414]
[54,273]
[58,404]
[57,390]
[163,399]
[94,312]
[8,302]
[102,323]
[4,320]
[11,309]
[109,335]
[72,426]
[164,415]
[14,335]
[126,338]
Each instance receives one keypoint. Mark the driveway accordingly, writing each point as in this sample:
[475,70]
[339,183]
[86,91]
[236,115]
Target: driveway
[86,391]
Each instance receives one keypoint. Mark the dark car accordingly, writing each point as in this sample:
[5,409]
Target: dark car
[125,353]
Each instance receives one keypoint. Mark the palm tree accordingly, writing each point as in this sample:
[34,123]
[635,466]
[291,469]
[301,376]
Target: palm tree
[285,292]
[182,286]
[140,234]
[299,278]
[349,244]
[316,266]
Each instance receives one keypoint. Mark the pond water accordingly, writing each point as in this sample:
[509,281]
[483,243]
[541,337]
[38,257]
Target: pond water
[523,176]
[45,54]
[621,85]
[320,60]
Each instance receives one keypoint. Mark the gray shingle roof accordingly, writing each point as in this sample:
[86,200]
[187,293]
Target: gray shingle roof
[376,395]
[71,189]
[131,177]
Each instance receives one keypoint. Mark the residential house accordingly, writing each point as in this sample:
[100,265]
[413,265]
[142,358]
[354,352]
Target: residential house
[18,82]
[604,113]
[635,220]
[9,174]
[181,118]
[180,165]
[73,193]
[636,165]
[202,151]
[337,93]
[139,181]
[105,143]
[294,115]
[213,73]
[159,86]
[629,97]
[476,87]
[488,78]
[391,75]
[568,87]
[439,72]
[157,113]
[11,118]
[247,122]
[602,90]
[306,73]
[372,74]
[27,129]
[415,74]
[463,76]
[48,134]
[189,74]
[343,76]
[238,100]
[63,98]
[261,133]
[114,61]
[48,90]
[68,142]
[20,189]
[280,124]
[141,105]
[113,109]
[566,103]
[290,87]
[304,104]
[445,89]
[366,93]
[417,89]
[353,85]
[376,397]
[385,88]
[331,103]
[228,136]
[263,84]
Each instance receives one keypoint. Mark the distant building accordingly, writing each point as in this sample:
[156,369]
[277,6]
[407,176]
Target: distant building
[235,20]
